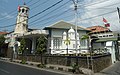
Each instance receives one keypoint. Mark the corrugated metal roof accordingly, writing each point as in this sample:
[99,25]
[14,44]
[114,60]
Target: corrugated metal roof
[64,25]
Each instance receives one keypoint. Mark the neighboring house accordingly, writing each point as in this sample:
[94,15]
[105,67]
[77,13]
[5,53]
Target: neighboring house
[106,41]
[3,48]
[57,34]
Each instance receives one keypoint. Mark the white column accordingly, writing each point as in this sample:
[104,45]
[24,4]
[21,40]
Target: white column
[33,44]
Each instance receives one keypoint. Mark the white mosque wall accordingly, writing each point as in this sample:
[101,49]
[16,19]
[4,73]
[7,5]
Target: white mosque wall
[62,49]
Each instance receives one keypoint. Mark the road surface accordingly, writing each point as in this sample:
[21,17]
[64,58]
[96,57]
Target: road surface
[13,69]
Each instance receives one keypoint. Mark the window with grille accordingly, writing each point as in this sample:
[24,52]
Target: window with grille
[83,43]
[56,43]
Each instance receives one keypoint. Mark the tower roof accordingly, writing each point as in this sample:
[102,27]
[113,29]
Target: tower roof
[24,5]
[71,30]
[64,33]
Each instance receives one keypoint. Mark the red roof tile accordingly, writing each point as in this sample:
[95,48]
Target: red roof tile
[3,33]
[95,29]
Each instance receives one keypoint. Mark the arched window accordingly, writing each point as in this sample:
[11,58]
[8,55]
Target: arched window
[23,10]
[26,11]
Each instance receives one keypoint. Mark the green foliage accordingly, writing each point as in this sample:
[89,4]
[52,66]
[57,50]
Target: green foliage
[23,61]
[84,37]
[75,68]
[67,41]
[41,65]
[2,39]
[41,44]
[22,45]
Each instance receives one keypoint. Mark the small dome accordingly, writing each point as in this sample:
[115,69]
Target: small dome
[64,33]
[71,30]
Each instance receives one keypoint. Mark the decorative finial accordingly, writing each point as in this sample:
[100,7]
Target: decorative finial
[24,3]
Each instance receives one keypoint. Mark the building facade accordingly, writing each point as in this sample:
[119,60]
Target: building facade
[106,41]
[62,38]
[59,34]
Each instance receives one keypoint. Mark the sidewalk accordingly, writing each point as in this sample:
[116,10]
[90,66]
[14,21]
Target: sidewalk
[56,68]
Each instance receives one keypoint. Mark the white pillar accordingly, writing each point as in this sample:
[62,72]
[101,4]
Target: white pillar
[33,44]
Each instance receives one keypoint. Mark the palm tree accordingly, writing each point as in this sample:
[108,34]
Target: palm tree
[67,42]
[86,37]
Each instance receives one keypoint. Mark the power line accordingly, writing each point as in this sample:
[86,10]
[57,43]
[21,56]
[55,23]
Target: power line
[99,15]
[46,9]
[36,14]
[40,4]
[53,17]
[29,2]
[108,6]
[13,12]
[35,3]
[95,3]
[50,12]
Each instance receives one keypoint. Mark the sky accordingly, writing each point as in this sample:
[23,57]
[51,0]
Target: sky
[89,13]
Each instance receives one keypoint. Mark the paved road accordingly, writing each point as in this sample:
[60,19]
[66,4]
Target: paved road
[111,70]
[13,69]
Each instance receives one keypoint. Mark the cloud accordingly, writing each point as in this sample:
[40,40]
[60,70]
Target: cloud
[93,12]
[6,15]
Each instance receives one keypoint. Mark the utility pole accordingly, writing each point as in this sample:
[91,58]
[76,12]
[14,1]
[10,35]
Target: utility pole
[118,13]
[76,44]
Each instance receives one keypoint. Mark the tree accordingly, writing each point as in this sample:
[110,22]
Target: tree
[41,45]
[22,49]
[85,37]
[2,40]
[67,42]
[22,46]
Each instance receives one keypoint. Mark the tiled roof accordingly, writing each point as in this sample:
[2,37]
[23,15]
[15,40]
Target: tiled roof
[3,33]
[95,29]
[64,25]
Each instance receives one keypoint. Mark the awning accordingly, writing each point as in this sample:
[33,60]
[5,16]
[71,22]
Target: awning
[106,39]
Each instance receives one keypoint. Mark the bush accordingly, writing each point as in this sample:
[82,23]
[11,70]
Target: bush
[23,61]
[41,65]
[75,68]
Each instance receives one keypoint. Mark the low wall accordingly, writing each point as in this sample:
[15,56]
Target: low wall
[98,62]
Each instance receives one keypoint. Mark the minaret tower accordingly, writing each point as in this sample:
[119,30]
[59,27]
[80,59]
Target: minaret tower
[22,19]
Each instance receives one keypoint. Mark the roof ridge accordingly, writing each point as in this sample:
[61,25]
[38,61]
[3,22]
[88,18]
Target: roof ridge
[54,24]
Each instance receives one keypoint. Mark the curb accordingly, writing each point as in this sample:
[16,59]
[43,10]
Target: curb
[50,66]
